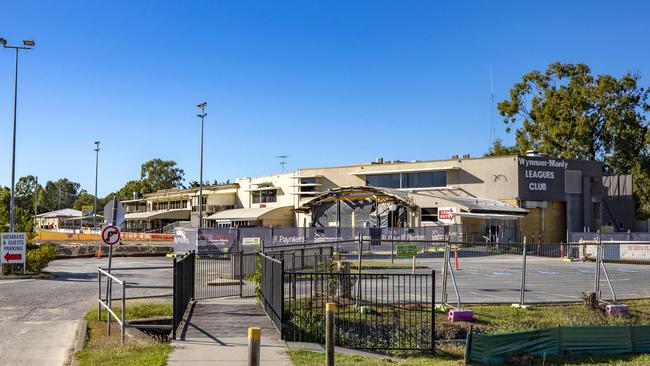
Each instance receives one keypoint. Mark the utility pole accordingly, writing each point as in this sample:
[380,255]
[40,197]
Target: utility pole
[96,171]
[27,45]
[35,200]
[201,115]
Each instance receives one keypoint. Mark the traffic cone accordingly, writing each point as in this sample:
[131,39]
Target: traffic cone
[99,251]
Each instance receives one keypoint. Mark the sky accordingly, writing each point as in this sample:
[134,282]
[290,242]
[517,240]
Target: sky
[325,82]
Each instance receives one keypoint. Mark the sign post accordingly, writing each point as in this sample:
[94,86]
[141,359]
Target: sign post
[13,249]
[114,212]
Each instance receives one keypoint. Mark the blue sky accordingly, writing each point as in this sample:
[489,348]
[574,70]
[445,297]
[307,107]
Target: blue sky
[326,82]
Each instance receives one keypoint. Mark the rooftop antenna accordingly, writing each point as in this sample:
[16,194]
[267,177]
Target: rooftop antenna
[283,161]
[492,126]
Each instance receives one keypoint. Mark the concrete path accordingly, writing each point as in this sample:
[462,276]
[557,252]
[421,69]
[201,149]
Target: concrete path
[215,333]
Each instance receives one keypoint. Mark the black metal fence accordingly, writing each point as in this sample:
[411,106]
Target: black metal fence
[225,274]
[383,311]
[272,289]
[184,273]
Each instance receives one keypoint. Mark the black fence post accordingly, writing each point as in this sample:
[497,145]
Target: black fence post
[281,298]
[433,311]
[241,272]
[175,302]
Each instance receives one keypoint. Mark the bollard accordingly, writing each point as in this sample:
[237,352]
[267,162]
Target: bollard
[254,340]
[330,309]
[413,266]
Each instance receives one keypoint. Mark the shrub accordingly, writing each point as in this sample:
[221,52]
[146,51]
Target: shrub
[38,259]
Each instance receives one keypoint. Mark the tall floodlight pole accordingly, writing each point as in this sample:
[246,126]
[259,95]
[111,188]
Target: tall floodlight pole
[202,115]
[96,171]
[27,45]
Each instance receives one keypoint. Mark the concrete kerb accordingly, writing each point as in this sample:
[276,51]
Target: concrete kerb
[346,351]
[79,342]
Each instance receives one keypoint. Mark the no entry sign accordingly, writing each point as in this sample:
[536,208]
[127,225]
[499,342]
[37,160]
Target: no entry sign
[13,248]
[111,235]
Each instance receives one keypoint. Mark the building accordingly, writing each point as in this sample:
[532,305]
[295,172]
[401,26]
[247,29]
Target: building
[485,199]
[59,219]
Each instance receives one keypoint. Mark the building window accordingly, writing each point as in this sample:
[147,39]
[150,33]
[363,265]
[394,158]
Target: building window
[408,180]
[429,214]
[384,180]
[267,196]
[311,180]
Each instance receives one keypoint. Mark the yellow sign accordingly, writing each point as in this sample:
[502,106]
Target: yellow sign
[86,211]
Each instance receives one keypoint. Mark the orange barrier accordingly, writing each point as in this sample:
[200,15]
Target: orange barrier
[59,236]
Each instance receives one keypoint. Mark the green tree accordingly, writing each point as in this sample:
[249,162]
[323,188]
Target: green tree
[157,174]
[24,218]
[567,112]
[60,194]
[499,149]
[126,192]
[83,199]
[27,189]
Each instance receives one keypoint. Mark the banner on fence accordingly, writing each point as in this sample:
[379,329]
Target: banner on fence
[495,349]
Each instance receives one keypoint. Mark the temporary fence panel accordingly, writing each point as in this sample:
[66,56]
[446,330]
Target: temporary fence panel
[496,349]
[374,311]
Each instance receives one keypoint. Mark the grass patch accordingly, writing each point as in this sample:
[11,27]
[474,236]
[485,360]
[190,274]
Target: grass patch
[449,355]
[506,319]
[101,349]
[136,311]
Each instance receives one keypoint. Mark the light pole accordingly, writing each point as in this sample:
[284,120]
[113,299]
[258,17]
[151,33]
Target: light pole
[202,115]
[27,45]
[96,170]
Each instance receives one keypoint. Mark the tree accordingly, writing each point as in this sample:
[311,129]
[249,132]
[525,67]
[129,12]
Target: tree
[27,188]
[83,199]
[24,218]
[60,194]
[567,112]
[157,174]
[126,192]
[499,149]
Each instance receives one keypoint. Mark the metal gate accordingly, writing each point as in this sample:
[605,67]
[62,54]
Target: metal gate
[225,274]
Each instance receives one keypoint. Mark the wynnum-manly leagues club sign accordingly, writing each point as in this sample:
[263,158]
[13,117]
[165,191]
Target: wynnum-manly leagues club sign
[541,178]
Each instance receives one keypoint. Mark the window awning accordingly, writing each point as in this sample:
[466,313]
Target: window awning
[484,205]
[488,216]
[248,214]
[177,214]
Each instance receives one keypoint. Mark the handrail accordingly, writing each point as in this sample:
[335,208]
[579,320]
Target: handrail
[108,274]
[134,268]
[107,302]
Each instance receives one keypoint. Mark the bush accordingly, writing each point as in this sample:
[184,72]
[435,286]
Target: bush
[39,258]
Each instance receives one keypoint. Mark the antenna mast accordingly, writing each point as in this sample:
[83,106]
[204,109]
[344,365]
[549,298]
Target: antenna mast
[492,126]
[283,161]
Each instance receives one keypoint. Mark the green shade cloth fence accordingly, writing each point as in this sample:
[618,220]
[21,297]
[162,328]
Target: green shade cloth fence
[494,349]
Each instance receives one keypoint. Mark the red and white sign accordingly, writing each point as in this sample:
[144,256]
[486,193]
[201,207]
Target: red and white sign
[12,249]
[111,235]
[445,214]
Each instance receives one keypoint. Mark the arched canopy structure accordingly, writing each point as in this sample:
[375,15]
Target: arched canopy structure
[358,206]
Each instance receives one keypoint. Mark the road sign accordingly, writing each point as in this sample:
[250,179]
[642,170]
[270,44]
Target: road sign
[111,235]
[108,213]
[13,248]
[87,211]
[407,250]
